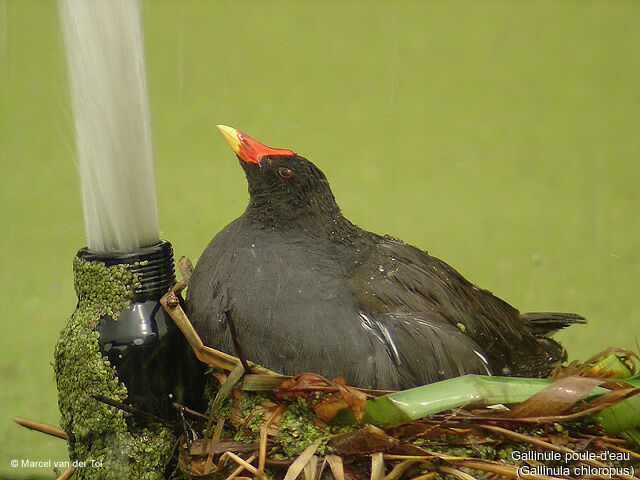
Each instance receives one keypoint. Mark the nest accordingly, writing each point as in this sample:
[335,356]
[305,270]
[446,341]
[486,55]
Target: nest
[260,424]
[583,422]
[288,431]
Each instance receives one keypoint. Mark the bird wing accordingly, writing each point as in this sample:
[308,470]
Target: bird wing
[291,307]
[424,349]
[399,278]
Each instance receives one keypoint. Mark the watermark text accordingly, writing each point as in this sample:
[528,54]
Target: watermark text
[49,463]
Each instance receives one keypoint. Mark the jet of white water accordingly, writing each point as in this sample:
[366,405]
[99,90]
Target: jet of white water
[103,42]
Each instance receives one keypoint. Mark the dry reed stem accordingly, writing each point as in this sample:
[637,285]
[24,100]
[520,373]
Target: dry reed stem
[623,450]
[214,440]
[425,476]
[184,408]
[205,354]
[605,438]
[262,458]
[535,420]
[244,465]
[502,469]
[41,427]
[457,473]
[311,468]
[336,466]
[377,466]
[185,266]
[238,470]
[399,470]
[66,475]
[299,463]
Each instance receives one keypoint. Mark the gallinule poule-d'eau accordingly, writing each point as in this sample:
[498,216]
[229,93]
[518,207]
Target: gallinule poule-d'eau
[309,291]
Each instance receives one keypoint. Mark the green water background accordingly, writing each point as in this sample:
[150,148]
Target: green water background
[503,137]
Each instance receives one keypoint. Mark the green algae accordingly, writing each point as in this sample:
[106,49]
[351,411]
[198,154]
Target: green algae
[99,435]
[297,430]
[106,289]
[250,407]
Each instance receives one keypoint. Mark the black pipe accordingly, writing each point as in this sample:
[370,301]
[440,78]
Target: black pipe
[150,355]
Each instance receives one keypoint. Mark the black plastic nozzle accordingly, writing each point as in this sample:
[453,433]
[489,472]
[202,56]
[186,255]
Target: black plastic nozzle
[150,355]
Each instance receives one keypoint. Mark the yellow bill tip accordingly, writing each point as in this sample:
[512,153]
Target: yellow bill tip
[231,136]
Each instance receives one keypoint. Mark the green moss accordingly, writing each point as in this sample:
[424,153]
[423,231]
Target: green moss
[223,411]
[107,290]
[297,430]
[250,401]
[249,405]
[99,434]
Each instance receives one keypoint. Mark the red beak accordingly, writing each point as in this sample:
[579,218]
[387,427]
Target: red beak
[248,149]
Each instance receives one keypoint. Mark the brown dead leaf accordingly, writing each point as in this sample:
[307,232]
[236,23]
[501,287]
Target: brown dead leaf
[557,398]
[194,466]
[619,391]
[362,441]
[220,376]
[338,395]
[329,407]
[420,429]
[356,399]
[301,385]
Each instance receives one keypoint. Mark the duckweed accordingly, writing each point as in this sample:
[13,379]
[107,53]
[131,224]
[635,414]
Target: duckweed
[297,430]
[112,446]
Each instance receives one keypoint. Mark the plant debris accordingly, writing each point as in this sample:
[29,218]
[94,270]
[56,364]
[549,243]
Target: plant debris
[583,422]
[314,427]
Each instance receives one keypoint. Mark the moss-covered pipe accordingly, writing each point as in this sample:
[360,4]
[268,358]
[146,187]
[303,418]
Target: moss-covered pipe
[150,354]
[119,343]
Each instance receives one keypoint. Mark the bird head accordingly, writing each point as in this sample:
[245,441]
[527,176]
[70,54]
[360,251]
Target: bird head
[284,188]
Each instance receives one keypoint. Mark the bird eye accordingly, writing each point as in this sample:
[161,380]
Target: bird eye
[285,172]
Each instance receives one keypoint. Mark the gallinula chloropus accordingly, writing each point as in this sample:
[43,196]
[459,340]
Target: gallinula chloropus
[307,290]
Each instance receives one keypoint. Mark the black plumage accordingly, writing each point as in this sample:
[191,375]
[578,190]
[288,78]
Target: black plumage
[307,290]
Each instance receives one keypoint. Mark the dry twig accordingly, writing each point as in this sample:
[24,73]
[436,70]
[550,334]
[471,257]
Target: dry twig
[41,427]
[66,475]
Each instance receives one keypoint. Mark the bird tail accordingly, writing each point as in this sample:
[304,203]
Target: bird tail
[546,324]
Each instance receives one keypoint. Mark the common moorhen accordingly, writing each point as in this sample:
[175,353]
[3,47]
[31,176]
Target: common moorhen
[306,290]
